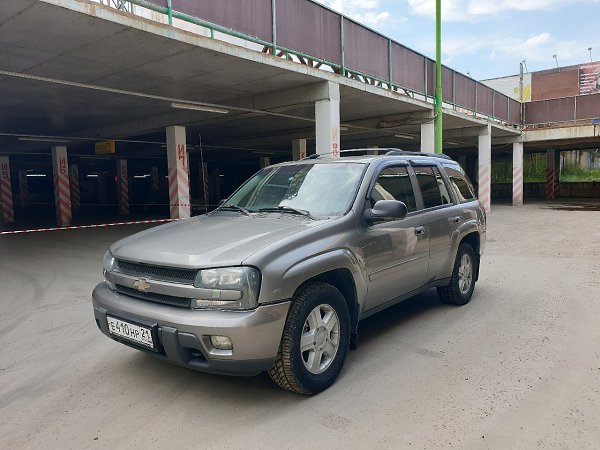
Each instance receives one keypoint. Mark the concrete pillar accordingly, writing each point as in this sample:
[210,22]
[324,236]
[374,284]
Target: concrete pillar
[485,167]
[75,191]
[101,181]
[62,186]
[23,189]
[6,195]
[552,174]
[428,137]
[179,174]
[327,122]
[122,187]
[298,149]
[517,187]
[155,182]
[265,161]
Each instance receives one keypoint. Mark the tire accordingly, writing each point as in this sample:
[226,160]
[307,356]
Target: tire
[462,283]
[298,371]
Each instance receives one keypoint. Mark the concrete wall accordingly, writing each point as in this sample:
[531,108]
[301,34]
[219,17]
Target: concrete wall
[537,190]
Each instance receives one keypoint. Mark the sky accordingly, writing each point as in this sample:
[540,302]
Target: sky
[488,38]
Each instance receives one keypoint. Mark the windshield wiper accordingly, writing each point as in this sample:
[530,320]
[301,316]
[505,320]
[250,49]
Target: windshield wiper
[289,210]
[236,208]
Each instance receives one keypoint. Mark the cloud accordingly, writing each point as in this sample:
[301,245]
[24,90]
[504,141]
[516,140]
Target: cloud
[471,10]
[367,12]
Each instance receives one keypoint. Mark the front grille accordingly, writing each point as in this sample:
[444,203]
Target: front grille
[171,274]
[180,302]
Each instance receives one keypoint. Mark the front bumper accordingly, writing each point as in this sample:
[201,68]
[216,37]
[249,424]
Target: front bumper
[184,335]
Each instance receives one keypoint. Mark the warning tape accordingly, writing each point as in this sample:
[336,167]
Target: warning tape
[81,227]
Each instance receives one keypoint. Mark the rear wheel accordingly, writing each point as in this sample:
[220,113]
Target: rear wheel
[315,340]
[462,282]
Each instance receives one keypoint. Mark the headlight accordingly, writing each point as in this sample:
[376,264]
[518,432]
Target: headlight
[228,288]
[109,265]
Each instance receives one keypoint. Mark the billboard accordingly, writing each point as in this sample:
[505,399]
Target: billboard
[509,86]
[589,79]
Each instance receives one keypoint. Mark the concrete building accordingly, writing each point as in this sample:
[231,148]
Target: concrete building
[118,111]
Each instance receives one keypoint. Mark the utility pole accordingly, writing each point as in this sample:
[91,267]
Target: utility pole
[438,76]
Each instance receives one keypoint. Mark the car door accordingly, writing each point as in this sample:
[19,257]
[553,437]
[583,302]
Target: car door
[396,251]
[441,217]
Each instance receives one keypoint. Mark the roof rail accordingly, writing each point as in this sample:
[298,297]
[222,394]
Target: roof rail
[396,152]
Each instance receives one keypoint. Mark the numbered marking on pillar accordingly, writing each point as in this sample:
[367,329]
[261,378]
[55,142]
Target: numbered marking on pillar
[335,147]
[6,198]
[62,190]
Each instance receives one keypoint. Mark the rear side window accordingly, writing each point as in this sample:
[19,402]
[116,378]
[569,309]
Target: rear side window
[433,188]
[463,186]
[393,183]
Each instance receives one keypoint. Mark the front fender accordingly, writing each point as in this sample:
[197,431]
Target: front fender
[285,285]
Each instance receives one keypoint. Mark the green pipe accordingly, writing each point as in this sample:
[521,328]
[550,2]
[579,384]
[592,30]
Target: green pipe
[170,12]
[438,77]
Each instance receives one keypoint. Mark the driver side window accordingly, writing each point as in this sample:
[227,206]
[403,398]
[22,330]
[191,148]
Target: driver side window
[393,183]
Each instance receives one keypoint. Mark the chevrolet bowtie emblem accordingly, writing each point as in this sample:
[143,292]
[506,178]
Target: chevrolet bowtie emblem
[142,285]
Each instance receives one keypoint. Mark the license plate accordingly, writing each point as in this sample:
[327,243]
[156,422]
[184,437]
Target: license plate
[130,331]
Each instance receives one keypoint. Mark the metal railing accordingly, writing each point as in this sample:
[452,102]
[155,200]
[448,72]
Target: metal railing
[309,33]
[565,109]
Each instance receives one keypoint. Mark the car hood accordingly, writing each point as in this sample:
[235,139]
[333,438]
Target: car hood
[212,240]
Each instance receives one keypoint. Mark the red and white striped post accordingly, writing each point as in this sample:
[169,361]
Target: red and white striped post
[552,174]
[179,175]
[123,187]
[6,197]
[75,191]
[155,185]
[298,149]
[517,197]
[485,165]
[23,189]
[62,190]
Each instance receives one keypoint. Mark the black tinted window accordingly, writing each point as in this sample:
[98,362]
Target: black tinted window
[394,184]
[433,188]
[461,182]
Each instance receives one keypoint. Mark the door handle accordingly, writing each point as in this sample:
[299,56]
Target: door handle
[419,230]
[455,219]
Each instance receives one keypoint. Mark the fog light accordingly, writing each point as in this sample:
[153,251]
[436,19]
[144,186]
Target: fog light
[221,342]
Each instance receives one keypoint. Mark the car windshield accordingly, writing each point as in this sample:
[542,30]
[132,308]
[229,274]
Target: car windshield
[318,190]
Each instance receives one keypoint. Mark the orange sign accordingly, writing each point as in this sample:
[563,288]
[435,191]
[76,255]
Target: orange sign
[105,147]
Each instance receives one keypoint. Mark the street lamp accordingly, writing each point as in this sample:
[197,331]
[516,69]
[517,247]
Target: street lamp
[438,77]
[590,50]
[555,59]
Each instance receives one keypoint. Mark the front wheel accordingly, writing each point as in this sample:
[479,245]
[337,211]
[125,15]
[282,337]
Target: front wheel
[462,282]
[315,340]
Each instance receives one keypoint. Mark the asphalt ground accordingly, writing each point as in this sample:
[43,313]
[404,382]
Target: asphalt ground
[518,367]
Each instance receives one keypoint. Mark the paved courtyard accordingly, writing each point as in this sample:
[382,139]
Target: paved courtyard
[518,367]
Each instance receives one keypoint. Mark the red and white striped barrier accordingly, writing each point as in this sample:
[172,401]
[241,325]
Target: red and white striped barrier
[205,187]
[23,189]
[179,193]
[101,183]
[550,185]
[123,188]
[484,187]
[62,190]
[6,198]
[75,190]
[155,186]
[517,186]
[82,227]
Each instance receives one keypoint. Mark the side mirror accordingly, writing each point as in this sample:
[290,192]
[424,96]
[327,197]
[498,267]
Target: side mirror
[386,209]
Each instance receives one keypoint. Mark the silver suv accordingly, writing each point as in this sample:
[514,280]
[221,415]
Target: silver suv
[278,277]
